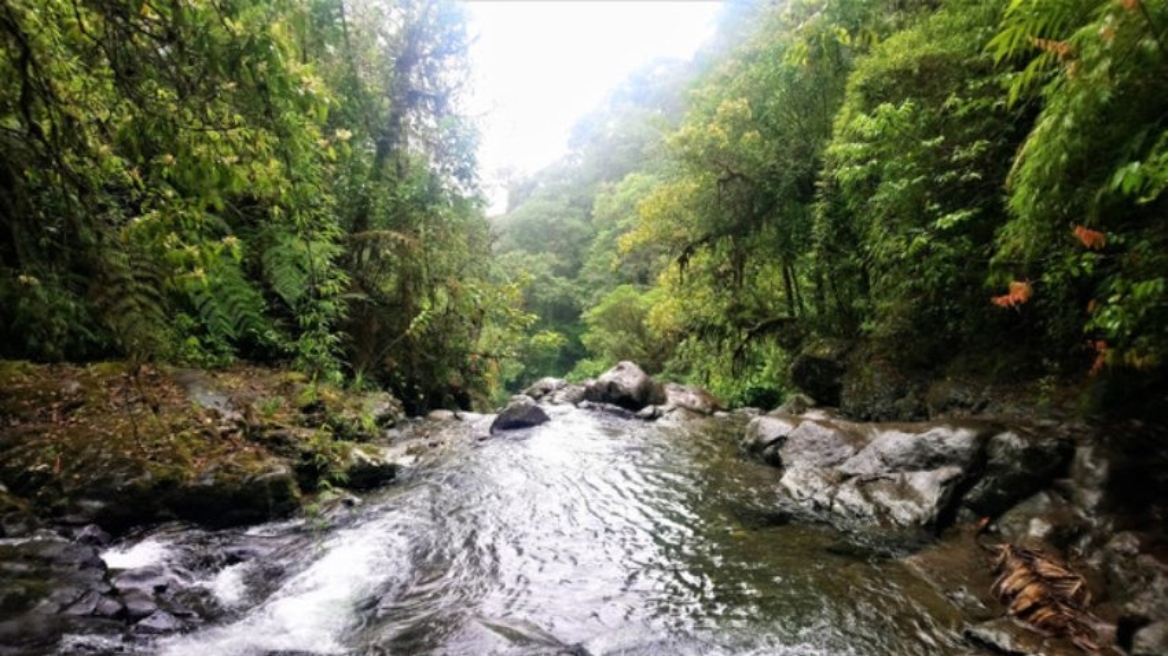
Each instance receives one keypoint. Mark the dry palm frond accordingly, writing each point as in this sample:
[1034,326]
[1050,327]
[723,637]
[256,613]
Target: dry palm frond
[1043,593]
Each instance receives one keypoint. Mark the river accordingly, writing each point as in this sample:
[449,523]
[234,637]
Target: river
[590,534]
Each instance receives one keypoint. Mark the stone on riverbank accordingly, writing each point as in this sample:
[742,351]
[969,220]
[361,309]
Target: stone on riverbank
[904,474]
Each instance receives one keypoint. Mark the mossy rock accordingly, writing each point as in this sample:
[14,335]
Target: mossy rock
[231,495]
[368,467]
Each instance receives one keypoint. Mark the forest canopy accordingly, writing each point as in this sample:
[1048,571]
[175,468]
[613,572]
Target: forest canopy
[966,183]
[974,183]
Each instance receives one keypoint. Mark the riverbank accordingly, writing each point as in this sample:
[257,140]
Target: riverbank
[118,446]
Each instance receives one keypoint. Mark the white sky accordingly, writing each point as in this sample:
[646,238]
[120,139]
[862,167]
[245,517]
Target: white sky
[538,66]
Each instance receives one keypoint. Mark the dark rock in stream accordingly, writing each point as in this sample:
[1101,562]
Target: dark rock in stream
[1151,640]
[48,586]
[521,412]
[627,386]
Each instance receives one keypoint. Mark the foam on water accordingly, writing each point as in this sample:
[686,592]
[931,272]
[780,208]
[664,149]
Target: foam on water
[310,613]
[228,586]
[150,551]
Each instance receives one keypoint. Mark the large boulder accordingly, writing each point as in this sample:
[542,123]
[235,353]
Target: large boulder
[627,386]
[799,442]
[819,371]
[521,412]
[1017,465]
[903,475]
[905,499]
[917,447]
[876,390]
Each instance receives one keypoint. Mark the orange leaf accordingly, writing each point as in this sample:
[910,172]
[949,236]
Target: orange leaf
[1092,239]
[1020,292]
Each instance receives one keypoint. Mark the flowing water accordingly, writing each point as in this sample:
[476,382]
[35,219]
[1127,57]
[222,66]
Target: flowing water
[587,535]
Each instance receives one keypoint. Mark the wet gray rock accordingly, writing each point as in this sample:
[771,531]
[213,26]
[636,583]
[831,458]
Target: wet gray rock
[521,412]
[608,408]
[1016,466]
[91,534]
[1136,579]
[626,385]
[1043,518]
[905,499]
[822,444]
[813,487]
[1004,636]
[902,475]
[18,524]
[570,395]
[764,435]
[84,605]
[48,586]
[158,622]
[138,604]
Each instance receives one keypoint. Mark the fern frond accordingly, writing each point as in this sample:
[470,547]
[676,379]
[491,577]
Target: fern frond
[229,306]
[128,300]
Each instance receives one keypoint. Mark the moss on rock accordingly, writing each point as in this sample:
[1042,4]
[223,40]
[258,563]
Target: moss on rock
[123,445]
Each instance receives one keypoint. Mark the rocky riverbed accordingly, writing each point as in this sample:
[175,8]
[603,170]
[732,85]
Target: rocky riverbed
[92,453]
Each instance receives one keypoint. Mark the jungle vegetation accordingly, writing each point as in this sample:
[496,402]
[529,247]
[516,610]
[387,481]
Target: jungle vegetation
[293,181]
[963,183]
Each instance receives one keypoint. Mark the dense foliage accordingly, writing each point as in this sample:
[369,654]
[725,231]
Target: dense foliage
[213,179]
[953,184]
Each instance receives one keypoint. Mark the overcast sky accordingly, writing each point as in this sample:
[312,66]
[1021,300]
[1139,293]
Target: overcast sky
[540,65]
